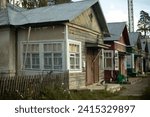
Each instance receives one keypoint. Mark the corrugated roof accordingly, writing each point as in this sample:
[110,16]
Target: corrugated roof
[62,12]
[115,30]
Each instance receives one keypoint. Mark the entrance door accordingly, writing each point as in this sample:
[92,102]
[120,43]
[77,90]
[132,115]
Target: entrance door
[92,68]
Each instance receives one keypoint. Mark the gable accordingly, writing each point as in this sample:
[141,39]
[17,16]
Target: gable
[88,20]
[124,37]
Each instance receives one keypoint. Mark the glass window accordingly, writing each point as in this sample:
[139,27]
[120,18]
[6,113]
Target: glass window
[49,57]
[35,61]
[53,56]
[47,61]
[108,60]
[57,61]
[75,56]
[31,58]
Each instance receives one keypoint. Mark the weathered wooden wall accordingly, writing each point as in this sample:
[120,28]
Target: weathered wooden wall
[83,37]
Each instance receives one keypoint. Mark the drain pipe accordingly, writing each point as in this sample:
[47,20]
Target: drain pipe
[16,51]
[28,38]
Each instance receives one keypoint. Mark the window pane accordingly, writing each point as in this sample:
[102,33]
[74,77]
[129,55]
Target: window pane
[74,50]
[31,47]
[34,47]
[108,63]
[77,61]
[24,48]
[77,48]
[57,61]
[27,60]
[48,47]
[72,61]
[57,47]
[35,61]
[47,61]
[70,48]
[109,54]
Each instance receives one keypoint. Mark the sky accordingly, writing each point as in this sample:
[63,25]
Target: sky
[117,10]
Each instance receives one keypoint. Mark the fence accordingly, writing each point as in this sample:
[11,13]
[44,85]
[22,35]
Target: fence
[24,85]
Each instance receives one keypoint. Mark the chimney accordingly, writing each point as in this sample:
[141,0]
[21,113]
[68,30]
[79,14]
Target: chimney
[3,4]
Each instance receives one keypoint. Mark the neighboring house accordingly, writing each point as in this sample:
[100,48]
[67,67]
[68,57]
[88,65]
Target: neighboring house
[115,56]
[135,57]
[144,53]
[59,38]
[148,57]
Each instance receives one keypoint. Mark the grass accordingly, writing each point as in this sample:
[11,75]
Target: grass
[60,94]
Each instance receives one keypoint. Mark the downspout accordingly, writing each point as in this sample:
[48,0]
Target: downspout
[16,51]
[67,47]
[28,38]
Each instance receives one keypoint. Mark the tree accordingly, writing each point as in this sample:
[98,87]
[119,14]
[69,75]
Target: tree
[61,1]
[144,23]
[30,4]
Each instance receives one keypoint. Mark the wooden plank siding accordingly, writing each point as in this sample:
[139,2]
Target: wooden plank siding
[82,36]
[85,28]
[88,20]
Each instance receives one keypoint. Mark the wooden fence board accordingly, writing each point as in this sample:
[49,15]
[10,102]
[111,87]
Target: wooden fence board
[21,84]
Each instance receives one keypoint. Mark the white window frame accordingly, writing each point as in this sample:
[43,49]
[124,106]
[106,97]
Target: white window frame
[80,56]
[116,57]
[41,55]
[101,58]
[30,53]
[112,57]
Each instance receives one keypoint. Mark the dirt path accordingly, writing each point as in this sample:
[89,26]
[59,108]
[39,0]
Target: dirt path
[135,88]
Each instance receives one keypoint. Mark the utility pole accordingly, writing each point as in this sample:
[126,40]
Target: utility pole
[130,16]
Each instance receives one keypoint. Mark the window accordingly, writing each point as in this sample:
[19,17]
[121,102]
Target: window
[101,63]
[108,60]
[43,56]
[75,56]
[53,56]
[31,58]
[116,61]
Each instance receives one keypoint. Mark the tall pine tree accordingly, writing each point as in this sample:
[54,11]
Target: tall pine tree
[30,4]
[144,23]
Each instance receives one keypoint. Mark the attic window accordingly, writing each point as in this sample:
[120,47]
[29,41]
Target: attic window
[91,17]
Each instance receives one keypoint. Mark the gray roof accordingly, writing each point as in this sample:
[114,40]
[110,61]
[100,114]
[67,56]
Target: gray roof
[133,37]
[115,30]
[6,15]
[62,12]
[56,13]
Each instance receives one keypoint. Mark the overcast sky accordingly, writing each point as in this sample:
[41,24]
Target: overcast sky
[117,10]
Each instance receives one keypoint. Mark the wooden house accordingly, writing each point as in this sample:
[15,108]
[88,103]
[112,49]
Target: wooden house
[147,58]
[59,38]
[135,57]
[115,57]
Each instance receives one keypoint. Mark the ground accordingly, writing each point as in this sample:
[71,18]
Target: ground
[136,88]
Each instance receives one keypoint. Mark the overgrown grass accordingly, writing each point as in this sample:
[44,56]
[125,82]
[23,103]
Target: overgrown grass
[60,94]
[49,93]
